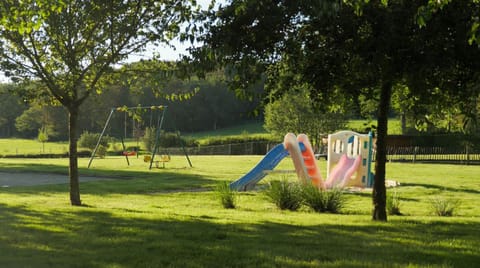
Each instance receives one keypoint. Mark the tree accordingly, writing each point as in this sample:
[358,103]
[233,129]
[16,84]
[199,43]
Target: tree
[70,46]
[10,108]
[295,112]
[360,47]
[42,137]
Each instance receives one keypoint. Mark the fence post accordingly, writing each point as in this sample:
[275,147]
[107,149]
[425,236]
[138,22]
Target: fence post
[467,153]
[415,150]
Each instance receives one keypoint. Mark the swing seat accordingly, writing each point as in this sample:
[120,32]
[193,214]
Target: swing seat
[129,153]
[160,159]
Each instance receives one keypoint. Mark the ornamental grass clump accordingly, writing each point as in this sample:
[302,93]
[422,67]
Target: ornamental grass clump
[444,207]
[285,195]
[335,200]
[227,196]
[319,200]
[393,204]
[314,198]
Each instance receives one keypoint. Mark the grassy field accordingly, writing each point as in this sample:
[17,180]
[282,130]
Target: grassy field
[171,218]
[29,146]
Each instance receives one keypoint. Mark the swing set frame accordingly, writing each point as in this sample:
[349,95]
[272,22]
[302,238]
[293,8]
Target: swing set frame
[156,145]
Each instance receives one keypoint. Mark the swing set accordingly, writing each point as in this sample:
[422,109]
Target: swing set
[158,126]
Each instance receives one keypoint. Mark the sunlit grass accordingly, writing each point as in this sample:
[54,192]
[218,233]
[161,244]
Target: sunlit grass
[172,218]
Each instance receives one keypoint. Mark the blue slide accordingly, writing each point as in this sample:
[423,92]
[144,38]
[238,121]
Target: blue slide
[268,162]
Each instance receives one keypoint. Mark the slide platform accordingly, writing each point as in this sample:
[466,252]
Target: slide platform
[268,162]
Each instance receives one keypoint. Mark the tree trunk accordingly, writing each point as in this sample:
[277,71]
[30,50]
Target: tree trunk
[379,195]
[73,169]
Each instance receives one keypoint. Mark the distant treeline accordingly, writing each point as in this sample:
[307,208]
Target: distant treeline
[195,105]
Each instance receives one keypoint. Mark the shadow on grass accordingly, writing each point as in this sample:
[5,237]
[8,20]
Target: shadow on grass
[88,238]
[120,181]
[442,188]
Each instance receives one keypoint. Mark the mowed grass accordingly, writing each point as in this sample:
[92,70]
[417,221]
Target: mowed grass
[33,146]
[30,146]
[171,218]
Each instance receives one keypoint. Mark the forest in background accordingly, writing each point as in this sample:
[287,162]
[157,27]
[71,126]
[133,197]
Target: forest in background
[193,105]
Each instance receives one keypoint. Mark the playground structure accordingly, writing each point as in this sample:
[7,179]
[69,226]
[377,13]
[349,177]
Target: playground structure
[348,165]
[349,159]
[158,127]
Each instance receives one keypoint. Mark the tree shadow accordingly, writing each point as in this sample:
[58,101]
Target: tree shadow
[120,181]
[442,188]
[87,238]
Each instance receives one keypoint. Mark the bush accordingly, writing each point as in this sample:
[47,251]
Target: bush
[393,204]
[285,195]
[149,138]
[89,140]
[314,198]
[335,200]
[167,139]
[101,151]
[323,200]
[444,207]
[226,195]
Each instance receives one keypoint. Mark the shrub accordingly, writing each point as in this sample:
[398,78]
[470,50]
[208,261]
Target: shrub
[101,151]
[285,195]
[323,200]
[314,198]
[149,138]
[226,195]
[335,200]
[393,204]
[444,207]
[89,140]
[167,139]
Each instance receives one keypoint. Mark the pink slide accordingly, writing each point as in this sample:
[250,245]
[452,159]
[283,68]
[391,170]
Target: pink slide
[342,172]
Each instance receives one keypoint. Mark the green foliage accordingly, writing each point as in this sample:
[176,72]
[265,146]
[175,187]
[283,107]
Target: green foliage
[42,135]
[444,207]
[314,198]
[393,203]
[227,196]
[101,151]
[149,138]
[166,139]
[89,140]
[171,139]
[295,112]
[285,194]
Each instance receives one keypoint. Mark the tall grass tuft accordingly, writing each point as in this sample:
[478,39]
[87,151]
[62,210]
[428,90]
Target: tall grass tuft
[393,204]
[314,198]
[444,207]
[285,195]
[335,200]
[323,200]
[227,196]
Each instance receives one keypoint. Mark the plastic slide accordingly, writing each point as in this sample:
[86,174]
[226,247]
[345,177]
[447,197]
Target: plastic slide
[343,171]
[295,149]
[310,162]
[268,162]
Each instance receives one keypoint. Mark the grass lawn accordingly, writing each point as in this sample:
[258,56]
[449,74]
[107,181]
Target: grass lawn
[30,146]
[171,218]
